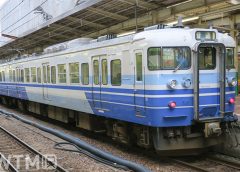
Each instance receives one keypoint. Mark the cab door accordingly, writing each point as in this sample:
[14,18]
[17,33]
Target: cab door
[139,84]
[99,64]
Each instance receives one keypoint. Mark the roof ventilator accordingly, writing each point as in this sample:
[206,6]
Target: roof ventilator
[155,27]
[106,37]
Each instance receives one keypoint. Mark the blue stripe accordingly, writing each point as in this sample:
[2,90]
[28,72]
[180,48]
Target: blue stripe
[115,90]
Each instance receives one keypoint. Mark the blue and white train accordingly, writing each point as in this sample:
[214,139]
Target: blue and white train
[172,89]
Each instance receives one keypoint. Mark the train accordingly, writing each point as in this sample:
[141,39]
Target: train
[167,89]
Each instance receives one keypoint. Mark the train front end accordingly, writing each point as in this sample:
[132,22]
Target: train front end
[200,91]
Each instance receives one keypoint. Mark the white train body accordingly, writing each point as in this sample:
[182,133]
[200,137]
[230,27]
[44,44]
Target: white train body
[126,92]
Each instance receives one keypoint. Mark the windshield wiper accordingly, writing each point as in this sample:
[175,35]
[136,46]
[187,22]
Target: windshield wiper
[178,66]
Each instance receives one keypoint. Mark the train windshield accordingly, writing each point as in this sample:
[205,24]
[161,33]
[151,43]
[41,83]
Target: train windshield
[169,58]
[229,58]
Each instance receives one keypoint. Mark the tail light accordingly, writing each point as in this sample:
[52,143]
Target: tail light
[231,100]
[172,105]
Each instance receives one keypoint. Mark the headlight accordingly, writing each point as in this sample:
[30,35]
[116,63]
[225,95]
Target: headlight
[186,83]
[232,82]
[172,84]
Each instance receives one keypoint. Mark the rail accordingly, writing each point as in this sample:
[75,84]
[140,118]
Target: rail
[11,144]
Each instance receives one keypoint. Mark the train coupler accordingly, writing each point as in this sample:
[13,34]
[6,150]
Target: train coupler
[212,128]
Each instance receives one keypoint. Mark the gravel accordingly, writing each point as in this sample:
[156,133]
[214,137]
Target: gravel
[44,143]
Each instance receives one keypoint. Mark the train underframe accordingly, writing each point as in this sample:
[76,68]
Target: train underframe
[166,141]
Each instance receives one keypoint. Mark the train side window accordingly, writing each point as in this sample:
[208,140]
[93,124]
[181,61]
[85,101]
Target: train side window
[96,72]
[44,74]
[14,76]
[39,77]
[62,73]
[53,74]
[154,58]
[207,58]
[116,75]
[3,76]
[33,74]
[10,75]
[27,74]
[85,73]
[0,76]
[139,72]
[48,74]
[17,75]
[74,72]
[104,72]
[229,58]
[22,75]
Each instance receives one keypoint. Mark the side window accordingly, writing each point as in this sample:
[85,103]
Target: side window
[154,58]
[27,74]
[62,73]
[0,76]
[3,76]
[139,73]
[33,74]
[17,74]
[116,75]
[85,73]
[96,72]
[48,74]
[104,72]
[10,75]
[14,76]
[22,75]
[44,74]
[230,57]
[74,72]
[39,77]
[53,74]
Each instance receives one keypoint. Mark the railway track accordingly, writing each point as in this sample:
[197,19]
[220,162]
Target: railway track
[18,156]
[209,163]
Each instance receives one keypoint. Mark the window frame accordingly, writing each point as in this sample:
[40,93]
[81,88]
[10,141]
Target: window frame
[27,76]
[98,72]
[31,80]
[111,72]
[48,74]
[82,78]
[161,48]
[39,75]
[233,66]
[73,73]
[215,59]
[102,72]
[55,76]
[136,66]
[14,75]
[58,74]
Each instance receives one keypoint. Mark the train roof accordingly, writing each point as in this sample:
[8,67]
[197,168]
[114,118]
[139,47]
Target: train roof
[162,37]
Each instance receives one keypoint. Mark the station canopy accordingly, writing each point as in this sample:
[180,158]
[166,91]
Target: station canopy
[99,17]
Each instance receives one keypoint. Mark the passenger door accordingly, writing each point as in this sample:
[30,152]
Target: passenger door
[45,80]
[100,78]
[139,84]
